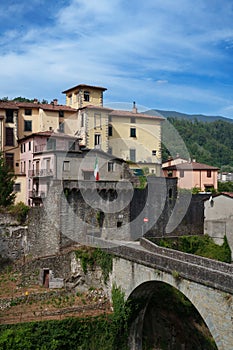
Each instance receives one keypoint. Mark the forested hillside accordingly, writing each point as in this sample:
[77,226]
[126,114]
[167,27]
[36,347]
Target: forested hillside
[210,143]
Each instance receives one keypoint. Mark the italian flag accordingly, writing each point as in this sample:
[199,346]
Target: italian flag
[96,170]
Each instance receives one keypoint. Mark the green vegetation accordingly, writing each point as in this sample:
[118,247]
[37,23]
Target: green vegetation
[225,186]
[7,195]
[106,332]
[200,245]
[209,143]
[20,210]
[90,257]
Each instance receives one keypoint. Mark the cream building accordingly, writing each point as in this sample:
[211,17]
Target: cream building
[133,136]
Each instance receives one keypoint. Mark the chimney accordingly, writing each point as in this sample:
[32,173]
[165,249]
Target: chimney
[135,110]
[35,100]
[55,101]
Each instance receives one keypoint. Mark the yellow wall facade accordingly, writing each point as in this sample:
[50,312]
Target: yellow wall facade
[75,97]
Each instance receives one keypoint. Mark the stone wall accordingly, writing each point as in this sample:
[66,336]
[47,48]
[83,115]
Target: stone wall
[65,270]
[12,239]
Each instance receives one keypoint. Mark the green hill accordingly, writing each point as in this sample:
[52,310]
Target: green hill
[208,142]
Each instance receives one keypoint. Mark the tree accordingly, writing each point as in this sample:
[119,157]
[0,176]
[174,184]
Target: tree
[7,195]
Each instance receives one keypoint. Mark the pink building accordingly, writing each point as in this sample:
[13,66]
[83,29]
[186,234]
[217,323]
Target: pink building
[47,156]
[192,175]
[38,160]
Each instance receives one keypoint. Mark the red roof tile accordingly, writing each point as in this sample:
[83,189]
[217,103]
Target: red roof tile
[120,113]
[85,87]
[45,106]
[191,166]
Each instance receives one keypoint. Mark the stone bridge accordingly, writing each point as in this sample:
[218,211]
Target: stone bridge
[208,284]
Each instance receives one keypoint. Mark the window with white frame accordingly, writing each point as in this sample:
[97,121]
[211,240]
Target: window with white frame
[132,154]
[97,140]
[111,167]
[66,165]
[97,120]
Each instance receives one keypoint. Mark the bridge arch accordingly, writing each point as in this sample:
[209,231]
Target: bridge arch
[156,308]
[213,305]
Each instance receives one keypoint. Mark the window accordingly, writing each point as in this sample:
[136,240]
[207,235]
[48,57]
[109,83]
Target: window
[110,150]
[170,173]
[110,130]
[28,112]
[29,145]
[97,139]
[27,125]
[132,120]
[10,160]
[208,173]
[82,120]
[9,116]
[132,132]
[70,99]
[132,155]
[17,187]
[61,114]
[110,118]
[111,167]
[61,127]
[71,145]
[153,152]
[181,173]
[97,120]
[51,144]
[86,96]
[9,137]
[66,165]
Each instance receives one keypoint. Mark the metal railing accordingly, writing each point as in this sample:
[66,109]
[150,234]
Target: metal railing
[40,172]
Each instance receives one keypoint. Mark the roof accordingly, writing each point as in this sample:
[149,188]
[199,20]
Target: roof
[49,134]
[46,106]
[225,194]
[81,86]
[121,113]
[190,166]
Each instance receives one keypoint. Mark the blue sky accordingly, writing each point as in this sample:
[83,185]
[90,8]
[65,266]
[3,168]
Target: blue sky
[164,54]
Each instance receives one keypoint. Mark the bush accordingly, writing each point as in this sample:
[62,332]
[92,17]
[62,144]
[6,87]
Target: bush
[200,245]
[20,210]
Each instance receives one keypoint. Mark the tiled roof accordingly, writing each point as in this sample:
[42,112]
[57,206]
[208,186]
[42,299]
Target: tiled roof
[120,113]
[49,133]
[228,194]
[45,106]
[97,107]
[191,166]
[85,87]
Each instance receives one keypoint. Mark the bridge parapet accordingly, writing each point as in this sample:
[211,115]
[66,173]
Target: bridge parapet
[189,258]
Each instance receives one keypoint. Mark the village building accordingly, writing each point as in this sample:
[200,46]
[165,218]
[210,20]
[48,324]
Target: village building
[218,213]
[191,174]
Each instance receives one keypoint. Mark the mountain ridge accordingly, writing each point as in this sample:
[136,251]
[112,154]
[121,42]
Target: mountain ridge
[191,117]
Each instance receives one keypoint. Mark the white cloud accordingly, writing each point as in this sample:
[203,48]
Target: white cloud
[129,47]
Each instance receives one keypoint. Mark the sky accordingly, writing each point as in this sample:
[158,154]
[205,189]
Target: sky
[163,54]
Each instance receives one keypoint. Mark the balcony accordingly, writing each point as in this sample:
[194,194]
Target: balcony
[37,194]
[40,173]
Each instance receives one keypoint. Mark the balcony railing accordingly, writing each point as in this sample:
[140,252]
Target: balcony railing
[40,172]
[37,194]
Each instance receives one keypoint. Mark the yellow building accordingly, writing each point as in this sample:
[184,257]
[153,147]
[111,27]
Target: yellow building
[133,136]
[83,95]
